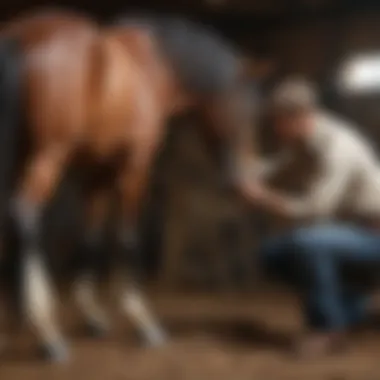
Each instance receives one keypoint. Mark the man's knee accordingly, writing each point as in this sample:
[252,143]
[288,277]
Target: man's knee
[309,239]
[325,238]
[305,239]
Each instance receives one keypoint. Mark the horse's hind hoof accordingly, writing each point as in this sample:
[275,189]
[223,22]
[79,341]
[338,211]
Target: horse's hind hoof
[55,352]
[155,338]
[97,330]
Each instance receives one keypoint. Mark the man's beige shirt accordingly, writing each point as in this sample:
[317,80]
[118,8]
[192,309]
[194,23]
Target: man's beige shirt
[349,172]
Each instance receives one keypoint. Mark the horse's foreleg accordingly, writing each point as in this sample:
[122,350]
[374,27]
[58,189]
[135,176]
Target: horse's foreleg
[91,255]
[42,174]
[132,186]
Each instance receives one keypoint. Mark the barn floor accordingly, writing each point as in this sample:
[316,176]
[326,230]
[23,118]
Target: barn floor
[213,337]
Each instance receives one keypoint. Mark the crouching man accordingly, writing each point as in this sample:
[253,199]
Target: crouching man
[314,254]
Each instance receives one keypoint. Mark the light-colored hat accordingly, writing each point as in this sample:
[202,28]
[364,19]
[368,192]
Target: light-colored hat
[294,94]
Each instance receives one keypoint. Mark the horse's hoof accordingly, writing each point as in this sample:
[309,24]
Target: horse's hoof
[55,352]
[97,330]
[155,338]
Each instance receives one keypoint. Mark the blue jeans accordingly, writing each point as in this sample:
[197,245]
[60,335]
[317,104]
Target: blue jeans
[312,258]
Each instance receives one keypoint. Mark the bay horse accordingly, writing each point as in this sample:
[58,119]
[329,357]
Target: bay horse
[99,98]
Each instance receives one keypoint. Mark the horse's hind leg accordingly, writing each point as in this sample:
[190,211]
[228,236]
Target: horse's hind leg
[91,255]
[132,186]
[39,182]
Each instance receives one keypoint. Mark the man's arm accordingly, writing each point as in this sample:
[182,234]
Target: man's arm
[324,194]
[269,167]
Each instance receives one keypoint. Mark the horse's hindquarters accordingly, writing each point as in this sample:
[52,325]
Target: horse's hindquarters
[57,67]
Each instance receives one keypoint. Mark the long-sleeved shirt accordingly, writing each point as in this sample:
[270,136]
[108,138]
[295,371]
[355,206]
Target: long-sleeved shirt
[349,172]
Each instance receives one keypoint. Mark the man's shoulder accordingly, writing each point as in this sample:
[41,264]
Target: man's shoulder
[342,138]
[335,124]
[341,130]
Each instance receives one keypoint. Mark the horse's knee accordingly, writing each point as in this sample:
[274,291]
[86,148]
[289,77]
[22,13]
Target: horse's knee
[25,219]
[129,245]
[91,255]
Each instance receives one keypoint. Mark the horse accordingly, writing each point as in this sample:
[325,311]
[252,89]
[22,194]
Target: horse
[98,98]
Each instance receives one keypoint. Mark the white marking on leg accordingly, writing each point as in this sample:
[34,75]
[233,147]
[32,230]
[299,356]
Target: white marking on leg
[136,307]
[88,304]
[39,298]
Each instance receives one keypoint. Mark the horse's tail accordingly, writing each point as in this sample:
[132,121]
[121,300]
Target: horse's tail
[10,118]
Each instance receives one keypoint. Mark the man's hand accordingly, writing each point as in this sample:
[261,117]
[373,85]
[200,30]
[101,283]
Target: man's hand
[259,194]
[254,191]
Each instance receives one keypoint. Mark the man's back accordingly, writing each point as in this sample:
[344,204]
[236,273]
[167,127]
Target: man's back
[339,144]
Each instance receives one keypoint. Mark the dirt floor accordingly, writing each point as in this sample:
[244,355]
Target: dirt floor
[212,337]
